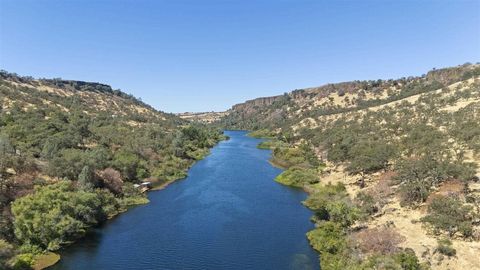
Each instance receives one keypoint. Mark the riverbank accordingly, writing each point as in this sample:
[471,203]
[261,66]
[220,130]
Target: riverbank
[297,171]
[43,261]
[202,216]
[336,212]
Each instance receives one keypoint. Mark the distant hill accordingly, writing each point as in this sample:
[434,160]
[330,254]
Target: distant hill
[203,117]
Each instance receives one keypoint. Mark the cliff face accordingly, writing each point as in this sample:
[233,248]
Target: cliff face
[250,104]
[283,111]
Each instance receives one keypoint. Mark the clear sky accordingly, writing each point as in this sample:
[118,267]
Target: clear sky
[208,55]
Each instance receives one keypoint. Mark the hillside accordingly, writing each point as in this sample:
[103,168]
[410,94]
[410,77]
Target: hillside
[28,94]
[307,104]
[72,153]
[391,166]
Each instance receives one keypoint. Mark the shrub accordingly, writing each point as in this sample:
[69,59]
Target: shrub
[271,144]
[401,260]
[6,252]
[86,179]
[342,212]
[297,177]
[111,179]
[329,237]
[380,262]
[68,163]
[262,133]
[23,261]
[322,195]
[445,247]
[418,176]
[408,260]
[413,192]
[379,240]
[302,156]
[342,261]
[55,215]
[369,155]
[331,202]
[466,229]
[366,204]
[127,163]
[449,214]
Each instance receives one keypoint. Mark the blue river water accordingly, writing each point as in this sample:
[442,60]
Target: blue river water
[227,214]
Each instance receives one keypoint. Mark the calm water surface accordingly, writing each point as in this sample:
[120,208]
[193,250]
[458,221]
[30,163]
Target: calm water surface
[228,214]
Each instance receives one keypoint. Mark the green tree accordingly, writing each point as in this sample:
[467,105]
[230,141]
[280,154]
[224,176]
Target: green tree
[6,253]
[86,179]
[449,214]
[54,215]
[370,156]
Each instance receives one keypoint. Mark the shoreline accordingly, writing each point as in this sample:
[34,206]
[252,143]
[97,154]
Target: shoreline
[308,191]
[44,261]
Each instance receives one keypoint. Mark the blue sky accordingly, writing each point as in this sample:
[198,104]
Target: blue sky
[208,55]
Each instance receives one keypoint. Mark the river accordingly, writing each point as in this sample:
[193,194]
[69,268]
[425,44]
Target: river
[227,214]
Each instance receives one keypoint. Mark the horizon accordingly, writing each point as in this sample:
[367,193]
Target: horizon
[278,94]
[190,57]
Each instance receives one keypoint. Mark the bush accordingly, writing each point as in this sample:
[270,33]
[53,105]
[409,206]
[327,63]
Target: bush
[369,155]
[418,176]
[330,261]
[297,177]
[262,133]
[23,261]
[408,260]
[302,156]
[413,192]
[445,247]
[271,144]
[55,215]
[466,229]
[288,157]
[127,163]
[401,260]
[6,252]
[450,215]
[331,202]
[342,212]
[380,262]
[111,179]
[329,237]
[366,204]
[86,179]
[324,194]
[379,240]
[68,163]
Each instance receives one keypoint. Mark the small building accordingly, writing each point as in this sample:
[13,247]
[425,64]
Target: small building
[144,186]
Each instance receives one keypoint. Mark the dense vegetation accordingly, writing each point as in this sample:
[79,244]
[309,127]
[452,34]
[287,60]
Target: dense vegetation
[69,160]
[335,214]
[417,132]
